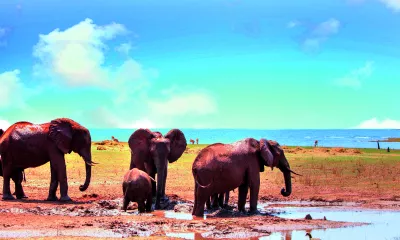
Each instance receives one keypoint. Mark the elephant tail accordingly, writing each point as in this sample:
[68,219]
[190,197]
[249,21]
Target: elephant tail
[198,184]
[23,175]
[208,185]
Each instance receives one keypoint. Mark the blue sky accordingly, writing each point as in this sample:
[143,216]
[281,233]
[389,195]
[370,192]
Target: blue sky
[201,64]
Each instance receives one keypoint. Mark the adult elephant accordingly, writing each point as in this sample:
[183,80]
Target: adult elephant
[219,168]
[151,152]
[27,145]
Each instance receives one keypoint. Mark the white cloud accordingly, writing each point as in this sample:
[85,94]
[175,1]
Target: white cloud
[321,33]
[142,123]
[124,48]
[4,124]
[11,89]
[376,124]
[355,78]
[392,4]
[76,55]
[184,103]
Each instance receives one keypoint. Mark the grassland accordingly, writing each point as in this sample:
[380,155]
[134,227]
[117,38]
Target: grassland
[328,173]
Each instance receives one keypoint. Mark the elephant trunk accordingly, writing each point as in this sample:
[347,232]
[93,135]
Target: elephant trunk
[288,183]
[160,185]
[88,167]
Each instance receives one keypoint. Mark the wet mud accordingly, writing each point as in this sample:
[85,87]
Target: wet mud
[104,218]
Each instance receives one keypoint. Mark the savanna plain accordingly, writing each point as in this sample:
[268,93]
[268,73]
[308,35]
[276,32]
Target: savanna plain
[335,177]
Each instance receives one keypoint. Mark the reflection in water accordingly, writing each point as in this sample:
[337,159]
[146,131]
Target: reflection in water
[383,225]
[177,215]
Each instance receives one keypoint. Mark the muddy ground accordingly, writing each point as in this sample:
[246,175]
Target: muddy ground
[337,178]
[93,216]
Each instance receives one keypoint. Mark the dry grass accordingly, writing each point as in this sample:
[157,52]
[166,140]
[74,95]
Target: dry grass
[327,173]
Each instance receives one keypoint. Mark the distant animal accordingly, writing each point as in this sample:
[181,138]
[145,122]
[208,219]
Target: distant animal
[197,141]
[316,143]
[114,139]
[388,149]
[191,141]
[311,238]
[42,143]
[136,187]
[219,168]
[151,152]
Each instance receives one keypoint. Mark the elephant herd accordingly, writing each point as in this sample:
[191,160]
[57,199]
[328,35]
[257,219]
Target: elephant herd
[217,169]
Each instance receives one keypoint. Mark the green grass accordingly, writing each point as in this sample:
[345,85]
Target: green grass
[369,172]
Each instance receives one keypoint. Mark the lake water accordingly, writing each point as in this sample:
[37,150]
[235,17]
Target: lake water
[353,138]
[384,224]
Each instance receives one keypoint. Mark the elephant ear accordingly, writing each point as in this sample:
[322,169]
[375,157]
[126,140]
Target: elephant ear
[178,144]
[139,142]
[266,151]
[61,133]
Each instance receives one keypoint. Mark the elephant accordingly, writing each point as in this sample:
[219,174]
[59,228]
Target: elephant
[17,176]
[217,200]
[27,145]
[191,141]
[137,188]
[219,168]
[151,152]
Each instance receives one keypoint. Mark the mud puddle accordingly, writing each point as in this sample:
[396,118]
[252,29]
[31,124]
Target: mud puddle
[381,224]
[97,233]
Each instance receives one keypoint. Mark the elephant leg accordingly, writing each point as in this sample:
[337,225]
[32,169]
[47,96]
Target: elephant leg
[17,178]
[243,189]
[201,198]
[214,200]
[221,200]
[126,203]
[59,164]
[208,203]
[7,172]
[149,202]
[254,189]
[141,206]
[195,200]
[53,184]
[226,199]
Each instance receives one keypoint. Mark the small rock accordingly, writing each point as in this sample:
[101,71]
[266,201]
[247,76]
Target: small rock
[308,217]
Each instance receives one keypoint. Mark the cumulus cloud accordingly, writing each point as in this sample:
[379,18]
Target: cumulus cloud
[183,103]
[392,4]
[11,89]
[76,55]
[355,78]
[374,123]
[124,48]
[100,95]
[4,124]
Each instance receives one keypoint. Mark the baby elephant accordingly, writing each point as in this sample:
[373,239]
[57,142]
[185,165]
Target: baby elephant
[137,188]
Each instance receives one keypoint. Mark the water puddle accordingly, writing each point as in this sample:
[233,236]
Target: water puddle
[383,224]
[177,215]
